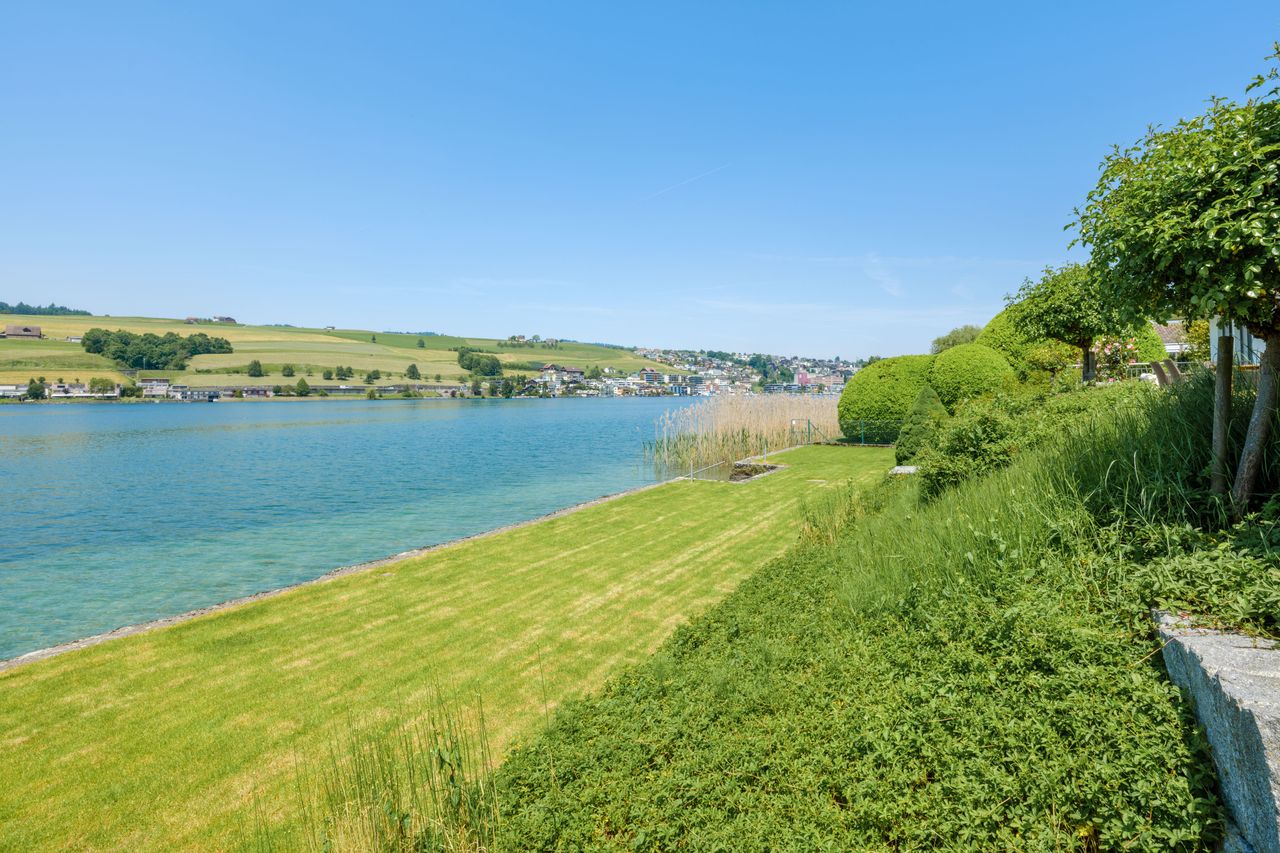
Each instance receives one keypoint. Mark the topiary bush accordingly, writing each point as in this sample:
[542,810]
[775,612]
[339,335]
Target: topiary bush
[1150,347]
[1001,335]
[880,396]
[969,370]
[926,417]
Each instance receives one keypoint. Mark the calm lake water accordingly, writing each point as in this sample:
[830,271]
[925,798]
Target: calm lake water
[117,514]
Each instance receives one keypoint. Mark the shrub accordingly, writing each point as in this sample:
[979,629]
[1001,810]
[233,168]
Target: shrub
[1001,335]
[1150,347]
[968,370]
[921,425]
[882,394]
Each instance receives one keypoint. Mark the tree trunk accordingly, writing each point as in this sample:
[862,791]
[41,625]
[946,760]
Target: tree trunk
[1255,440]
[1086,362]
[1222,413]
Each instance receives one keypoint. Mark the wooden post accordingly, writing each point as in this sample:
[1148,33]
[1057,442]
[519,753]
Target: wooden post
[1086,364]
[1255,439]
[1221,413]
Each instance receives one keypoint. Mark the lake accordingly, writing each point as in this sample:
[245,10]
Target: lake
[118,514]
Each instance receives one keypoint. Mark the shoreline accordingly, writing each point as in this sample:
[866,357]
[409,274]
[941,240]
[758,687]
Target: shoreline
[12,663]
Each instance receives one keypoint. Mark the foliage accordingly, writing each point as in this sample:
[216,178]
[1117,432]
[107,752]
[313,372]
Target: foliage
[481,364]
[50,310]
[1149,345]
[412,372]
[1001,335]
[302,389]
[968,370]
[372,376]
[327,374]
[954,338]
[255,368]
[36,389]
[287,370]
[1187,220]
[169,352]
[927,415]
[101,385]
[882,394]
[1197,335]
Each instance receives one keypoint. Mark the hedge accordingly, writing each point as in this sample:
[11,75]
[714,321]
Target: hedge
[969,370]
[882,394]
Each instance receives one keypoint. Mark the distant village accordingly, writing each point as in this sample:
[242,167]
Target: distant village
[692,373]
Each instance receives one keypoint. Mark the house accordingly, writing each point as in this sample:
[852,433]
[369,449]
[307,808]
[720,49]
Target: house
[1174,337]
[650,376]
[22,332]
[1248,349]
[13,391]
[154,387]
[228,320]
[74,339]
[193,395]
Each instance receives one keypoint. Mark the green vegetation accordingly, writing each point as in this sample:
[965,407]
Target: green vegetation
[51,310]
[1001,335]
[960,335]
[978,668]
[1065,306]
[966,371]
[926,417]
[170,351]
[481,364]
[881,394]
[523,619]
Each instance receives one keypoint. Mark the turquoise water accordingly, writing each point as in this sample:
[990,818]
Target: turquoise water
[117,514]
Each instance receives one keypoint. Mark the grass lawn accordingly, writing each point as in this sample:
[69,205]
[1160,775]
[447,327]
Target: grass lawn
[276,346]
[174,738]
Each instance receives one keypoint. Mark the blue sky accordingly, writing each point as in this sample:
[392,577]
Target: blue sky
[807,178]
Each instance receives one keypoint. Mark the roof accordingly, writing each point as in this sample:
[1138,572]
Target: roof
[22,330]
[1171,333]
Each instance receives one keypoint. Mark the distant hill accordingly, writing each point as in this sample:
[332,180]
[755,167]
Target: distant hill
[309,351]
[49,310]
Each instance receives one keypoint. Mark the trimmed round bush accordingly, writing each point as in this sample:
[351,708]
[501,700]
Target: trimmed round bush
[1002,336]
[968,370]
[880,396]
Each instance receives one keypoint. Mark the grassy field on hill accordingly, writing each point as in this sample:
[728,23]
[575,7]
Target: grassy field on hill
[174,738]
[274,346]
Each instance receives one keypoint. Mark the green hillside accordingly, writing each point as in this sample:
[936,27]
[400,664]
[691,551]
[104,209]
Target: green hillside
[310,351]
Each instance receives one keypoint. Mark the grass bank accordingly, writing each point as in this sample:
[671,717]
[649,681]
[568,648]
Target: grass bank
[974,669]
[172,739]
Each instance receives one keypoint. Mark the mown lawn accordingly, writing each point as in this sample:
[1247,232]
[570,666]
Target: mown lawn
[175,738]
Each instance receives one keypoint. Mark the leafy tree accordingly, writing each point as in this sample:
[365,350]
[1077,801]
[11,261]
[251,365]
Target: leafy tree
[959,335]
[412,372]
[255,368]
[372,376]
[508,389]
[277,390]
[437,377]
[422,344]
[47,310]
[328,374]
[141,352]
[1186,222]
[1066,305]
[371,394]
[594,372]
[129,389]
[373,339]
[101,385]
[36,389]
[1197,336]
[476,389]
[302,389]
[287,370]
[479,363]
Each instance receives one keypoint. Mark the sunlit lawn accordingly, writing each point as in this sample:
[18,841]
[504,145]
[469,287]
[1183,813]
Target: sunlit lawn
[175,737]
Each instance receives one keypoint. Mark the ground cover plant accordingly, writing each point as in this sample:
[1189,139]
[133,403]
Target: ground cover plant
[974,671]
[179,736]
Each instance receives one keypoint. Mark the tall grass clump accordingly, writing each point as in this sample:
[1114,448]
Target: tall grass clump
[730,428]
[425,785]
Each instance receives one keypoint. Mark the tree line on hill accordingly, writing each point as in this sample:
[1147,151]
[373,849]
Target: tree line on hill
[48,310]
[170,351]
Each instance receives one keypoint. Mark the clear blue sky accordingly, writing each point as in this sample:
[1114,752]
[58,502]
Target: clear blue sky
[809,178]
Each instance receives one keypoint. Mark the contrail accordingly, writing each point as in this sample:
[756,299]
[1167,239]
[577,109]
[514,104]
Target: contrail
[686,181]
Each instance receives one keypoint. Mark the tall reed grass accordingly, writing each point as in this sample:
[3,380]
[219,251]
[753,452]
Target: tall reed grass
[425,785]
[729,428]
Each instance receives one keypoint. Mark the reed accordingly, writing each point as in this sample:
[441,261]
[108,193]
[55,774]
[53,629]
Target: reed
[726,429]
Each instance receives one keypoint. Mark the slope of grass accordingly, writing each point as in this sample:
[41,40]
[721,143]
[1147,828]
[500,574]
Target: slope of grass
[168,739]
[275,346]
[975,671]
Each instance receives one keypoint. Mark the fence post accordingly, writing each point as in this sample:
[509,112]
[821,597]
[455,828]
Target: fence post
[862,426]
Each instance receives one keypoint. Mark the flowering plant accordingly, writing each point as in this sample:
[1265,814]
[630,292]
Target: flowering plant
[1114,355]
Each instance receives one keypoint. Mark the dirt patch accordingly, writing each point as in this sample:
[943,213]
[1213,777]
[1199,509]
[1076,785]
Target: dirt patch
[748,470]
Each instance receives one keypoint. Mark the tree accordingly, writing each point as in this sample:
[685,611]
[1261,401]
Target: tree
[1186,222]
[372,376]
[437,377]
[508,389]
[328,374]
[966,334]
[926,416]
[476,389]
[1197,337]
[255,368]
[594,372]
[302,389]
[101,385]
[422,344]
[36,389]
[412,372]
[287,370]
[1065,305]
